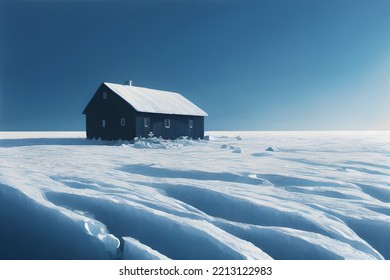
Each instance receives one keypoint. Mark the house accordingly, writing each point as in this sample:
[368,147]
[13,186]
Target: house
[124,112]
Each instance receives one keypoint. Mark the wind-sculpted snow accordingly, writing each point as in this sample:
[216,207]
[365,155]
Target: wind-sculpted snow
[135,250]
[30,230]
[246,195]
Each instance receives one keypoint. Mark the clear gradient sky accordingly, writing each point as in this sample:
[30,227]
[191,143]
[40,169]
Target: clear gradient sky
[252,65]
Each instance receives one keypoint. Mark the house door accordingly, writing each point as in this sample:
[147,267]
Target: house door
[166,129]
[146,130]
[191,133]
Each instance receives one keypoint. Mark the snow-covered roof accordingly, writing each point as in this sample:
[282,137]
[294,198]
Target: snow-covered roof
[156,101]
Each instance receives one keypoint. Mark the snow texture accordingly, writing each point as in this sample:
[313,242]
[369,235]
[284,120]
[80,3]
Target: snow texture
[316,195]
[135,250]
[156,101]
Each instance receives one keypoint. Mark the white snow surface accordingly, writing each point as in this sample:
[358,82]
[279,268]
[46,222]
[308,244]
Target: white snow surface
[135,250]
[148,100]
[314,195]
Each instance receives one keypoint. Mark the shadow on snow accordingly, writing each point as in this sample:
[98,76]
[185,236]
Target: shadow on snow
[33,231]
[152,171]
[11,143]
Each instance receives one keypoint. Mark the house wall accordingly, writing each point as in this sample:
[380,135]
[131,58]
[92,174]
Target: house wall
[111,109]
[179,126]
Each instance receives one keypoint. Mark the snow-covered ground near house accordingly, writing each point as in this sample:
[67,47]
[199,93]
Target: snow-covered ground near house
[239,195]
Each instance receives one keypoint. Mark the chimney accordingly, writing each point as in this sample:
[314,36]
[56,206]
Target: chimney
[128,83]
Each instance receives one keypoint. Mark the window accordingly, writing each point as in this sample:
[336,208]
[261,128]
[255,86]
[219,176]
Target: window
[146,122]
[123,121]
[103,123]
[167,123]
[104,95]
[191,123]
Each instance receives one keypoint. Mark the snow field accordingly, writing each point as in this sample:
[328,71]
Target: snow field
[246,195]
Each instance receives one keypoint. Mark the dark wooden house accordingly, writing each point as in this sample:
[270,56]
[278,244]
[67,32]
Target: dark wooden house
[125,112]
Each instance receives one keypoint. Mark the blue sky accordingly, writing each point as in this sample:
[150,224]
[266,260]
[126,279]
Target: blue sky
[252,65]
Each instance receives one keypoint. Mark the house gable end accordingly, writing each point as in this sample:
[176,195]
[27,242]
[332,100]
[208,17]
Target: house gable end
[98,100]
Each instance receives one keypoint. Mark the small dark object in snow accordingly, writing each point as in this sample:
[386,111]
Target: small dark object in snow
[270,149]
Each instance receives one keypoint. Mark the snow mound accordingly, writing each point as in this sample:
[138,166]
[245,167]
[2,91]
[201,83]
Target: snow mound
[99,231]
[149,143]
[159,143]
[234,149]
